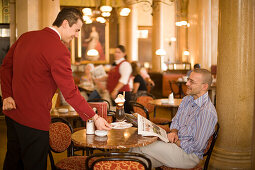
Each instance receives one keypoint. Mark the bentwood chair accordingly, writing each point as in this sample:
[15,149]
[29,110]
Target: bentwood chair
[60,140]
[110,113]
[207,153]
[119,160]
[143,111]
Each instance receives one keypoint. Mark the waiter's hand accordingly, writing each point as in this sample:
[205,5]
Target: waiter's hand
[9,104]
[114,94]
[101,123]
[172,137]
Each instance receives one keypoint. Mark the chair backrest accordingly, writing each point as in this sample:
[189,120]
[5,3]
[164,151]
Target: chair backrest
[99,104]
[101,100]
[184,89]
[60,138]
[101,108]
[119,160]
[210,145]
[144,100]
[140,109]
[60,135]
[174,89]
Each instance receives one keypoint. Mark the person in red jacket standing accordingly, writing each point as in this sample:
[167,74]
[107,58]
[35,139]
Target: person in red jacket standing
[119,75]
[36,64]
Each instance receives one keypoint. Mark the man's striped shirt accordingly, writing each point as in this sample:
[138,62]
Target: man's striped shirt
[195,121]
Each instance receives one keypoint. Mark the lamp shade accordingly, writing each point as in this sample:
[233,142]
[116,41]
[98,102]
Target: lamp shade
[125,12]
[106,8]
[160,52]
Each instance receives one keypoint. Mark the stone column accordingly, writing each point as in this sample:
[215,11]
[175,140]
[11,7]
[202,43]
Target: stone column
[182,31]
[132,27]
[50,10]
[235,85]
[122,30]
[12,21]
[157,34]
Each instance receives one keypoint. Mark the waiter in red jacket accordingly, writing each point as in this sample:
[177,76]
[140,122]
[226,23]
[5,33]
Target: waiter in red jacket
[118,77]
[36,64]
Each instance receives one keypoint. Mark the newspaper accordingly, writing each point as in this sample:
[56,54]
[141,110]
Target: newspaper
[98,72]
[147,128]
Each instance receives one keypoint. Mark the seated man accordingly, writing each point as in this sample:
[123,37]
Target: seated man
[190,129]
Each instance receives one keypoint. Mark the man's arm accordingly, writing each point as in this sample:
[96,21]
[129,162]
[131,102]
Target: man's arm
[204,129]
[9,104]
[6,74]
[116,90]
[173,136]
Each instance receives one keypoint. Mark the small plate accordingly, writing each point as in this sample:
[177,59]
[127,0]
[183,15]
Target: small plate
[62,110]
[71,109]
[121,125]
[101,132]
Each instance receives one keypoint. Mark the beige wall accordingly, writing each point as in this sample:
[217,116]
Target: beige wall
[1,14]
[169,30]
[144,14]
[28,18]
[203,32]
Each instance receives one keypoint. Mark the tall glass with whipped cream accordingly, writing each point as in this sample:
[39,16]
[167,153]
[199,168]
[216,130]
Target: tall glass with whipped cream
[120,113]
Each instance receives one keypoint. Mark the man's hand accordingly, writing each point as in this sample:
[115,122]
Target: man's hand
[9,104]
[101,123]
[172,137]
[114,94]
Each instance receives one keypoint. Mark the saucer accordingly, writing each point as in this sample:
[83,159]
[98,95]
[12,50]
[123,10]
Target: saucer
[62,110]
[101,132]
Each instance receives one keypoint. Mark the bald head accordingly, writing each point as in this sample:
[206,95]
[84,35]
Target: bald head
[206,75]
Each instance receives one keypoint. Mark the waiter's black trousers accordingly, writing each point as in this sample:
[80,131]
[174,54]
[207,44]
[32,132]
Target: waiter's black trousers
[27,148]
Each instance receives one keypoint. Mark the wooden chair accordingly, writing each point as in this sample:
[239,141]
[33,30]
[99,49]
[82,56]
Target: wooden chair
[110,113]
[207,153]
[144,99]
[116,161]
[143,111]
[175,89]
[60,140]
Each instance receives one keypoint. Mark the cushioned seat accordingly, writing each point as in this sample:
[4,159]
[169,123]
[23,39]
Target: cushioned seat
[118,161]
[60,140]
[72,163]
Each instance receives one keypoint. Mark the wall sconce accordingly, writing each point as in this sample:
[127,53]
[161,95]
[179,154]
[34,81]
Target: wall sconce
[172,39]
[182,23]
[160,52]
[125,12]
[185,52]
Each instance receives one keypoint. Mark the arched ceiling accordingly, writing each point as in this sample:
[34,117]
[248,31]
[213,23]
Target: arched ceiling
[92,3]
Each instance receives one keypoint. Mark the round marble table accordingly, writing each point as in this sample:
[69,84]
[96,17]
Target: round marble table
[164,103]
[71,116]
[116,139]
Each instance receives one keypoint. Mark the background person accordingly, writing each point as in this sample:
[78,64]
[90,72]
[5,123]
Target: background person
[139,84]
[196,66]
[191,127]
[118,77]
[36,64]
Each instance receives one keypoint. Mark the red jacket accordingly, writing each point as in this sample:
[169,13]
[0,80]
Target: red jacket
[113,79]
[32,70]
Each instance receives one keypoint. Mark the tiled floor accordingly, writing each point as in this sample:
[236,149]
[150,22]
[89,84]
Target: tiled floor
[3,142]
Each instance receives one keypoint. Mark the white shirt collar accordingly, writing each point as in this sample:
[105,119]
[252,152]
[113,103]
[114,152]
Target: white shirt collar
[119,60]
[54,29]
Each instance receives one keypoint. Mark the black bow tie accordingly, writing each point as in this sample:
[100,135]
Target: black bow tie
[114,64]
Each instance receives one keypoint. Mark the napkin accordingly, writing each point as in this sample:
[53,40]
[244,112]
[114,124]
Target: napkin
[171,98]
